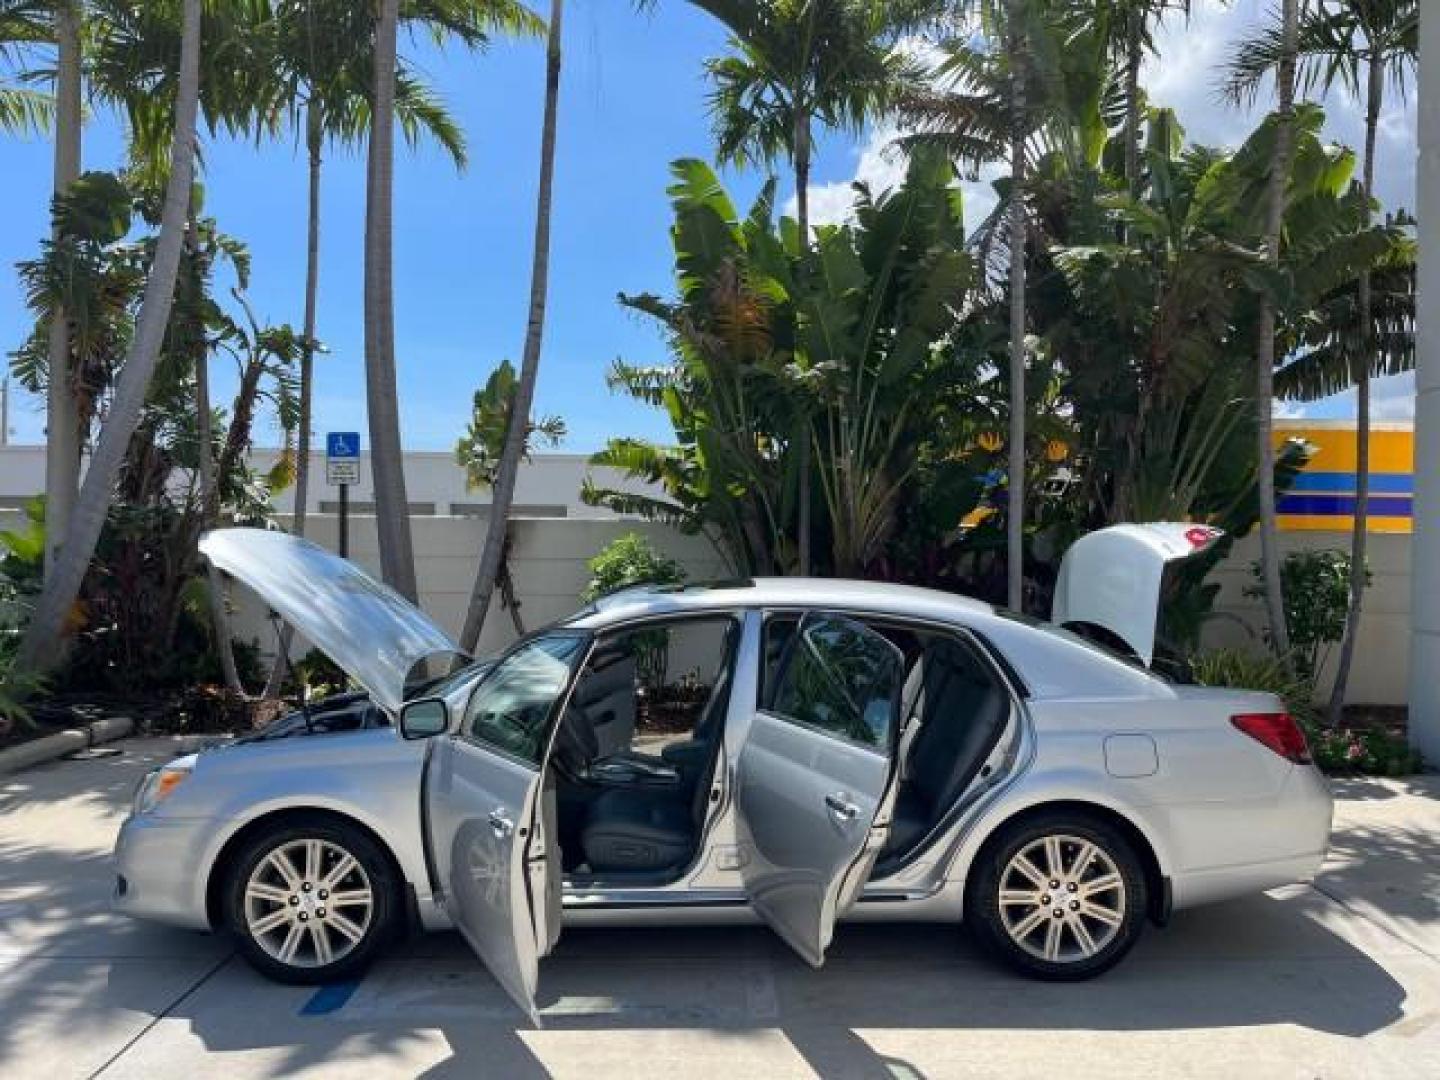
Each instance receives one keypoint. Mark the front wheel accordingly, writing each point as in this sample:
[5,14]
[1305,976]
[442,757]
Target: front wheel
[311,902]
[1059,897]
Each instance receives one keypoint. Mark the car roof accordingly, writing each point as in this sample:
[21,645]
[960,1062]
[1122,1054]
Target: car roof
[1050,662]
[790,592]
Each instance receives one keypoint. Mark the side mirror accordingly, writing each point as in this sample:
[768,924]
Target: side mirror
[424,719]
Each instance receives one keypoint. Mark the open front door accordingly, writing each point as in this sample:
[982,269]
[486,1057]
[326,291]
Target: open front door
[490,818]
[815,778]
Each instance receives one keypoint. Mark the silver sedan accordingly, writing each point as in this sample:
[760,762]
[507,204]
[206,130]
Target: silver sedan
[791,751]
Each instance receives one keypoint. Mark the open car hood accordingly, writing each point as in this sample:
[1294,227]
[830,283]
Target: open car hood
[1112,578]
[373,633]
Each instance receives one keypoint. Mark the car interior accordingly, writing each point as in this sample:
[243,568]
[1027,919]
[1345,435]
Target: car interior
[954,711]
[636,750]
[637,747]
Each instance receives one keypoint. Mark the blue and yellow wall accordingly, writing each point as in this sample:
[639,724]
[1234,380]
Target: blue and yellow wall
[1323,498]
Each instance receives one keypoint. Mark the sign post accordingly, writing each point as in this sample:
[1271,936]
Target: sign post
[342,468]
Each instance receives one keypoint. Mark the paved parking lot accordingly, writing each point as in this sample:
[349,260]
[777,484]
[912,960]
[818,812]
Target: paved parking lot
[1338,980]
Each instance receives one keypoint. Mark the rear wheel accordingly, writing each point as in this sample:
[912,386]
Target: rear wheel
[1061,896]
[311,902]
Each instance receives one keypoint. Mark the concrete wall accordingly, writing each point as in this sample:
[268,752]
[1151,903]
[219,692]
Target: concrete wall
[1381,666]
[548,484]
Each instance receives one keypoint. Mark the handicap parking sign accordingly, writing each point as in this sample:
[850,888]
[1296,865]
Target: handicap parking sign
[342,457]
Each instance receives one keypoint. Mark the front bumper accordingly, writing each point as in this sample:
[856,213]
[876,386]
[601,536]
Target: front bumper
[160,866]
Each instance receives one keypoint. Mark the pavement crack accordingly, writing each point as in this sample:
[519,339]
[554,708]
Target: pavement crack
[163,1013]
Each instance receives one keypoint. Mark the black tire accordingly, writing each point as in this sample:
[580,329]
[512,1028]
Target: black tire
[309,969]
[1130,897]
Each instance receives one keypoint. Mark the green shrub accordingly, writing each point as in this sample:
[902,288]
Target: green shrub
[1257,671]
[1316,587]
[322,677]
[627,561]
[15,689]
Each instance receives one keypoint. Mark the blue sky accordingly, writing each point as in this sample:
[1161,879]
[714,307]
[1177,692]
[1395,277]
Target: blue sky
[633,100]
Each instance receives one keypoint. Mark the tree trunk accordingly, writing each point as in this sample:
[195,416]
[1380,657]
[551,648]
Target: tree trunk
[1374,99]
[62,425]
[209,507]
[505,581]
[41,645]
[503,492]
[1134,58]
[1015,510]
[314,139]
[387,464]
[803,495]
[1265,350]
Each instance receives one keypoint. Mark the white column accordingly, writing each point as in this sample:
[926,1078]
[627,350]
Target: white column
[1425,550]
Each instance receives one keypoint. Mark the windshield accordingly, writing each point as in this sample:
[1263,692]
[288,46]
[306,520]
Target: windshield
[444,685]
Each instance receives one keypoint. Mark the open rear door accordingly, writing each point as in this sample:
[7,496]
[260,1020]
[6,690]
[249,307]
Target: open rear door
[490,818]
[815,775]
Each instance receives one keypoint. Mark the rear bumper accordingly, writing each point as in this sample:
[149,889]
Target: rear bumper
[160,869]
[1295,828]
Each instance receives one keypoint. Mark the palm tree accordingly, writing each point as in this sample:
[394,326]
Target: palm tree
[41,643]
[322,49]
[524,395]
[480,450]
[24,24]
[1265,346]
[1129,30]
[62,432]
[793,63]
[991,101]
[392,513]
[1357,43]
[323,53]
[192,288]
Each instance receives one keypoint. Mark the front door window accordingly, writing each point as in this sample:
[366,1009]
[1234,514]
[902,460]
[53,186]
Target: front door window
[512,708]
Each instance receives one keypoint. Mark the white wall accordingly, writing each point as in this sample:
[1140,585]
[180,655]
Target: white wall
[1381,666]
[549,484]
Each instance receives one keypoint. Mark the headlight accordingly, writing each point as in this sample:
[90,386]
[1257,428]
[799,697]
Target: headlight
[158,786]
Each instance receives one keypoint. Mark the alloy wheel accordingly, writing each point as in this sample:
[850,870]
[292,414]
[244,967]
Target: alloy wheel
[308,903]
[1062,898]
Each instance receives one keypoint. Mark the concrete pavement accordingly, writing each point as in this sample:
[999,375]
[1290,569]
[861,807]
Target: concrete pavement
[1338,980]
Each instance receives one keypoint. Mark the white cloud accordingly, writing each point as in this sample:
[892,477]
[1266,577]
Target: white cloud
[1185,76]
[1391,398]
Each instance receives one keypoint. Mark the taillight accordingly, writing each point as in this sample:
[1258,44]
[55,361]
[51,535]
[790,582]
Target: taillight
[1278,731]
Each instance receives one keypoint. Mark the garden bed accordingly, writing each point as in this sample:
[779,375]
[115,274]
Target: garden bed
[1372,740]
[205,710]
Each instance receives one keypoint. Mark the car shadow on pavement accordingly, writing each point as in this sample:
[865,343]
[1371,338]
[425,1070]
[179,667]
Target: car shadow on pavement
[1253,963]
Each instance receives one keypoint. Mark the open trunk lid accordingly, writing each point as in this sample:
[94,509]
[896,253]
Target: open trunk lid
[1112,578]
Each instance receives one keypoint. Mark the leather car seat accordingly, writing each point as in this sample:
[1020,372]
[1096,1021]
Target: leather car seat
[964,713]
[646,830]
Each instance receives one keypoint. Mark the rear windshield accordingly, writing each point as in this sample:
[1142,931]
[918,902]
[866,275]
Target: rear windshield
[1095,638]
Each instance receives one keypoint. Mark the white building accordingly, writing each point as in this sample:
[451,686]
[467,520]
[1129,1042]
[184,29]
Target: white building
[548,485]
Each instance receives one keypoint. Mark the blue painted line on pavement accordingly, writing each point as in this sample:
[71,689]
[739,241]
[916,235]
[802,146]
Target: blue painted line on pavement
[330,998]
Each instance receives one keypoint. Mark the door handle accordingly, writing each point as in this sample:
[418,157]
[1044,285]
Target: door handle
[839,804]
[501,824]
